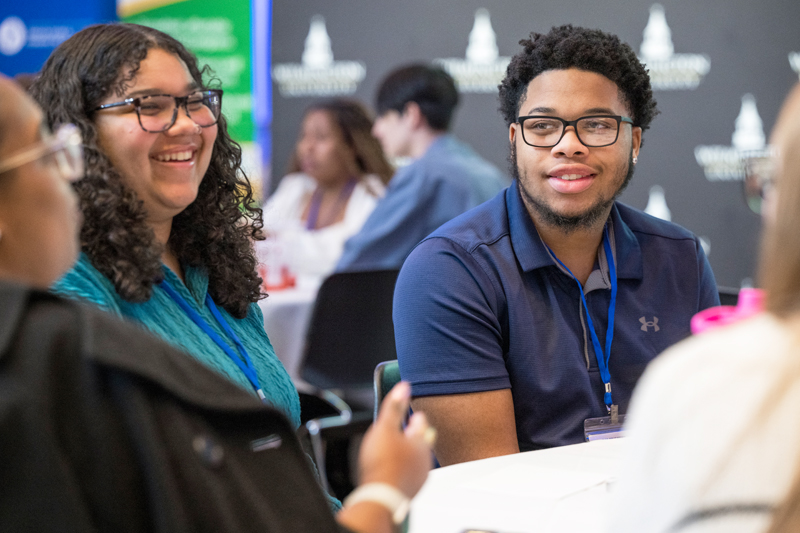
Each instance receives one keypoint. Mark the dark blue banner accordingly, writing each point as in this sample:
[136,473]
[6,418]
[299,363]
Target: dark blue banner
[29,31]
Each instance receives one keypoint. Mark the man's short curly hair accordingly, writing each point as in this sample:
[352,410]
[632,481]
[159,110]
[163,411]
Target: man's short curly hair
[573,47]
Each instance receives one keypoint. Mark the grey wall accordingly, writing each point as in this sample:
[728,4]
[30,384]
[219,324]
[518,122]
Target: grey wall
[747,42]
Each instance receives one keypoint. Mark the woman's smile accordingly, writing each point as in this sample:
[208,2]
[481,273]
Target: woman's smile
[164,169]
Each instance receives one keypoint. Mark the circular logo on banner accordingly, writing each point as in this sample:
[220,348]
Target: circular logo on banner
[13,35]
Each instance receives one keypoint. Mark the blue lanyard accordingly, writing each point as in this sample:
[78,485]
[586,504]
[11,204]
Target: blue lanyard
[244,362]
[602,357]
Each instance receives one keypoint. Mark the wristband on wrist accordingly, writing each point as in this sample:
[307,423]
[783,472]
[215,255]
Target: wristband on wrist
[383,494]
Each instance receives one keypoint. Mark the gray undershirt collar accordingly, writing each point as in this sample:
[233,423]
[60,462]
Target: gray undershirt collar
[600,277]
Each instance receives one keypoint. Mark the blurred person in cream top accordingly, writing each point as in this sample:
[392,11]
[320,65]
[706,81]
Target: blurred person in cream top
[714,439]
[314,252]
[337,175]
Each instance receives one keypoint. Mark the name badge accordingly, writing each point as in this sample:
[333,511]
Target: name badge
[604,427]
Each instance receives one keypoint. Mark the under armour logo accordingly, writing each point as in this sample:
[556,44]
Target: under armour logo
[646,324]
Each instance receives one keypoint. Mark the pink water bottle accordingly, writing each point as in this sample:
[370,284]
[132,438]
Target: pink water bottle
[750,303]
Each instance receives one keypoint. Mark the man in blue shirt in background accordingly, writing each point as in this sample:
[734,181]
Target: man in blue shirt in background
[538,310]
[415,107]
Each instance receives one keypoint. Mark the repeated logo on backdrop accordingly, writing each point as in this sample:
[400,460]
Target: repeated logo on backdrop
[657,207]
[318,74]
[724,163]
[794,61]
[657,204]
[668,70]
[484,68]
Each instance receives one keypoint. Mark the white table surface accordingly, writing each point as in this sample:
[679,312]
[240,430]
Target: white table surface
[564,489]
[287,313]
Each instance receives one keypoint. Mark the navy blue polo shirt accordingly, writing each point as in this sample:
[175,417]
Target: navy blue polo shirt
[480,305]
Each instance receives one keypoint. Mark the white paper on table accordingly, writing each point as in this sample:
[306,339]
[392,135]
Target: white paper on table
[537,481]
[585,511]
[561,500]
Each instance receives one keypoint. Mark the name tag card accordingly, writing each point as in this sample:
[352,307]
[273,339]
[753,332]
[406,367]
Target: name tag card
[603,428]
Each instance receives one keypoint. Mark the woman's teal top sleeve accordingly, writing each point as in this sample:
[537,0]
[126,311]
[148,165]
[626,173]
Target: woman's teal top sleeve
[163,317]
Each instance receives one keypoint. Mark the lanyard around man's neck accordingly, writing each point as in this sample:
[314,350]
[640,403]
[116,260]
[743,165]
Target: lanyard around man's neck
[603,357]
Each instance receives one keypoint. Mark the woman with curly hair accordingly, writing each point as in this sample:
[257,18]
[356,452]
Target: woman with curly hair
[168,222]
[337,175]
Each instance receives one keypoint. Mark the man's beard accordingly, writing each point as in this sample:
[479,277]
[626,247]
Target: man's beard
[567,223]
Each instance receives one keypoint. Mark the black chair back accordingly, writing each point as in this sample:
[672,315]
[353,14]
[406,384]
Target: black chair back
[728,295]
[351,330]
[387,375]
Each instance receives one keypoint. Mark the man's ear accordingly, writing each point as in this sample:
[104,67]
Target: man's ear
[413,115]
[512,132]
[636,141]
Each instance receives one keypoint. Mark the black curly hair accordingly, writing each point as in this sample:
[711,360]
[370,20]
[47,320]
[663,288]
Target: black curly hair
[214,233]
[574,47]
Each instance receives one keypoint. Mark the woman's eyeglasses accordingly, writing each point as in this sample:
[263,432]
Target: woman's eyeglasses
[158,112]
[64,149]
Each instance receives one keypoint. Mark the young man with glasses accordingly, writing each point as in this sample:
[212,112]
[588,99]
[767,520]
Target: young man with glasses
[526,322]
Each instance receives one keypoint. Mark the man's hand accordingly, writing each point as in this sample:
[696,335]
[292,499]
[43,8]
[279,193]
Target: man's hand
[471,426]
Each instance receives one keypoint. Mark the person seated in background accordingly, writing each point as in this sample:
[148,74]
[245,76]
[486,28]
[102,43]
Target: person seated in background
[714,440]
[168,222]
[107,428]
[505,317]
[337,175]
[415,107]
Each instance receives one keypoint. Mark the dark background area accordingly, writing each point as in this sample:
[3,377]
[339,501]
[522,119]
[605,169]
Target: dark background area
[747,42]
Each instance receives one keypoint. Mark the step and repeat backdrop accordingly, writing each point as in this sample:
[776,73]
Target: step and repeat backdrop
[720,70]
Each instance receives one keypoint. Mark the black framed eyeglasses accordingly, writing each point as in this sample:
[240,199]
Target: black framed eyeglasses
[594,131]
[759,176]
[158,112]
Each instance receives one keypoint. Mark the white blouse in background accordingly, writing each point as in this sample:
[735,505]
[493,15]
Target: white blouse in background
[706,430]
[312,252]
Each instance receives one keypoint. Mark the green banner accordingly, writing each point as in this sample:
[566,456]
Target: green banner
[220,37]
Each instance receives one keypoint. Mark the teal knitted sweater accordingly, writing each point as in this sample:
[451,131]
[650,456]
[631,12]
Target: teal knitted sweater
[162,316]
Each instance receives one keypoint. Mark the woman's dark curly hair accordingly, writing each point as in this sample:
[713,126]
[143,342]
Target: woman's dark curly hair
[214,233]
[592,50]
